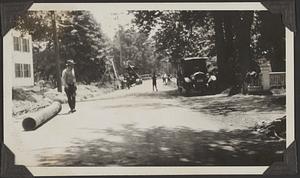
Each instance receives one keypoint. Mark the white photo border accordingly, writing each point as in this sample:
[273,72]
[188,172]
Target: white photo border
[186,170]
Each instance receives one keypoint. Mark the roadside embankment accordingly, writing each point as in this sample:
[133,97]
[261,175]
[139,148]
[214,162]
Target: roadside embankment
[31,99]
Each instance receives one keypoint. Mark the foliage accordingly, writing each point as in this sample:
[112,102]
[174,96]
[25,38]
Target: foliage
[271,39]
[36,23]
[238,38]
[80,38]
[178,34]
[85,43]
[136,49]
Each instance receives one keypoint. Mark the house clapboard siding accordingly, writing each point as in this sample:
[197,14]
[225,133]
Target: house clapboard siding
[17,49]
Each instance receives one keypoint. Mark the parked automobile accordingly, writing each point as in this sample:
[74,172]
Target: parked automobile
[133,76]
[192,75]
[124,82]
[138,81]
[146,76]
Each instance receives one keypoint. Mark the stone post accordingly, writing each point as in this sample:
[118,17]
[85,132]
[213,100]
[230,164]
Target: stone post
[265,80]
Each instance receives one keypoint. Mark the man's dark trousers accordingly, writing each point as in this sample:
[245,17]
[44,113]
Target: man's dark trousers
[71,94]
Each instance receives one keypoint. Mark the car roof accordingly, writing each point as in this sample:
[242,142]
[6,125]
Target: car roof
[195,58]
[131,66]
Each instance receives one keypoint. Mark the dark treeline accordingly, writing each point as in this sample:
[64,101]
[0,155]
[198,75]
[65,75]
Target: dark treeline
[237,39]
[80,38]
[234,41]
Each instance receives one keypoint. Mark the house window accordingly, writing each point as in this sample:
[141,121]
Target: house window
[25,43]
[27,72]
[21,44]
[19,70]
[17,43]
[22,70]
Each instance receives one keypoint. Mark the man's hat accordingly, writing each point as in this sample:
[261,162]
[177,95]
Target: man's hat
[70,62]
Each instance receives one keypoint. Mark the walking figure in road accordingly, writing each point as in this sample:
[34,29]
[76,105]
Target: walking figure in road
[154,86]
[69,83]
[127,79]
[164,78]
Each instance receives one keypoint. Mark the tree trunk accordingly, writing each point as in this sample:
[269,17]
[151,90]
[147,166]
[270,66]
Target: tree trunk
[34,120]
[273,39]
[244,51]
[220,44]
[228,25]
[56,51]
[229,46]
[278,56]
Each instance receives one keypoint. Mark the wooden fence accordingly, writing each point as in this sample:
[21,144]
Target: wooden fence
[277,79]
[273,80]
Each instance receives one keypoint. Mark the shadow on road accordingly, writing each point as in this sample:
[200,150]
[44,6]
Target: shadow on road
[224,105]
[171,147]
[209,104]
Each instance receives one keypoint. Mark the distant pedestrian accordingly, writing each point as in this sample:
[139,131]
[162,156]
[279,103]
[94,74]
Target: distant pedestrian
[154,86]
[69,83]
[164,78]
[168,78]
[127,79]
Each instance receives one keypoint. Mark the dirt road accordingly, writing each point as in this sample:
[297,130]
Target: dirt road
[139,127]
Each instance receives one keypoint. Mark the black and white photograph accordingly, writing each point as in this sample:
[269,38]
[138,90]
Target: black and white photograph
[160,88]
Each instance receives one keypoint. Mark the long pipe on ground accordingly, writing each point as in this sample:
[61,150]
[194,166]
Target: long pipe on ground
[35,120]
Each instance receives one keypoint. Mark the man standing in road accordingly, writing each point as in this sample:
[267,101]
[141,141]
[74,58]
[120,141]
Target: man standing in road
[69,83]
[154,86]
[164,78]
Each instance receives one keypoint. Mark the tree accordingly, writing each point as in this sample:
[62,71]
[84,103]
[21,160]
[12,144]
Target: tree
[80,38]
[233,40]
[178,34]
[136,49]
[83,41]
[48,26]
[36,23]
[271,39]
[237,38]
[244,57]
[224,65]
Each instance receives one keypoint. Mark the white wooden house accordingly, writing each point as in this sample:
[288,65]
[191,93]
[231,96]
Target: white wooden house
[17,48]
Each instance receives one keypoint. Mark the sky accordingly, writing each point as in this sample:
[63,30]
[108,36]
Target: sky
[103,12]
[110,20]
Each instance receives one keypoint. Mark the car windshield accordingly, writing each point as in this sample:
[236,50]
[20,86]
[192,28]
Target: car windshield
[195,65]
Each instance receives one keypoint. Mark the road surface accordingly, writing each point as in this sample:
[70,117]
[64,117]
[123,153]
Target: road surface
[139,127]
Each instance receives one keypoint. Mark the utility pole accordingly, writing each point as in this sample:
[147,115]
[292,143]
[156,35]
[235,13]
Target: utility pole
[114,68]
[56,52]
[115,73]
[120,47]
[116,18]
